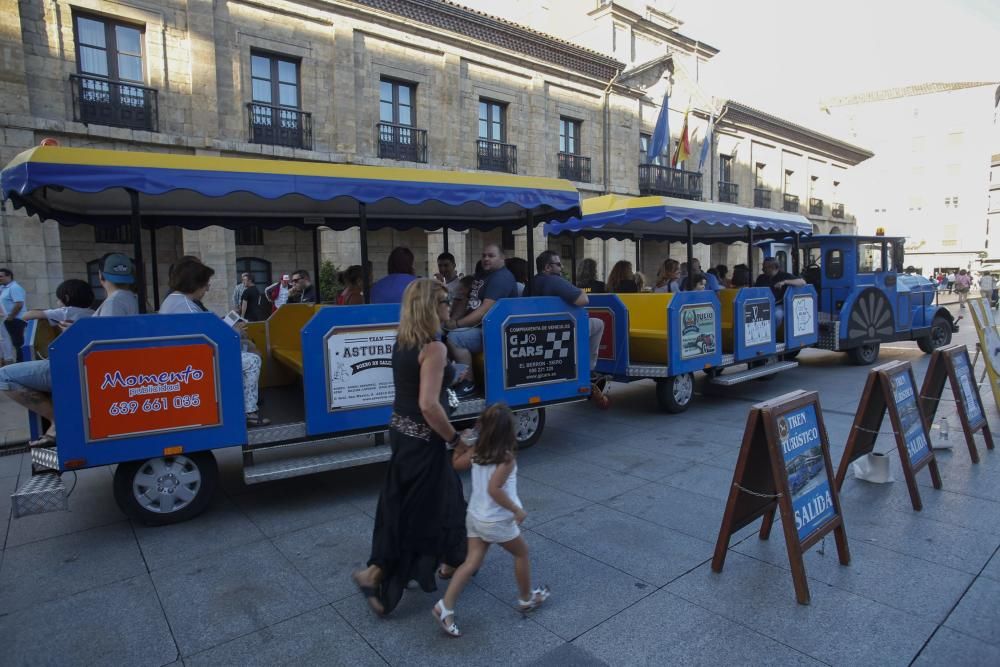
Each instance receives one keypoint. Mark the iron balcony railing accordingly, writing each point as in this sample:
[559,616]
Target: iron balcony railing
[574,167]
[791,203]
[837,210]
[496,156]
[815,206]
[762,198]
[279,126]
[658,180]
[729,192]
[116,103]
[402,142]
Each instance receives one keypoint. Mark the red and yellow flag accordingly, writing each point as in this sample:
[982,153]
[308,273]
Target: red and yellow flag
[683,151]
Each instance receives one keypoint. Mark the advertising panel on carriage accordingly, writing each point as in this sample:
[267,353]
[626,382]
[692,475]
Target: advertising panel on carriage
[359,366]
[698,330]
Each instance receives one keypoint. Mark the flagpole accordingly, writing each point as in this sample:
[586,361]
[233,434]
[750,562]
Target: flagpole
[711,153]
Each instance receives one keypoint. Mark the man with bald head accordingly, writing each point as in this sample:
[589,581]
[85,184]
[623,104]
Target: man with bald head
[465,334]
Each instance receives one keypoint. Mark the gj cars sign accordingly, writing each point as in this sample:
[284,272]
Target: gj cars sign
[539,351]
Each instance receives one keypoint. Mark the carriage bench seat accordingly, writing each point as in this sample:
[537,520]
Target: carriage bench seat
[284,334]
[291,359]
[647,327]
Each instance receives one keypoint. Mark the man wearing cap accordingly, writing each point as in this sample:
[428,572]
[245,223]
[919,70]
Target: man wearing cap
[29,383]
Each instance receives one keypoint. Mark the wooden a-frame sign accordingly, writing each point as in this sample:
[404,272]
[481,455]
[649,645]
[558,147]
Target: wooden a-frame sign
[784,465]
[951,364]
[891,387]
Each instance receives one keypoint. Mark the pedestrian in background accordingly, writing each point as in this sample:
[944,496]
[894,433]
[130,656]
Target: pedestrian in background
[12,299]
[963,283]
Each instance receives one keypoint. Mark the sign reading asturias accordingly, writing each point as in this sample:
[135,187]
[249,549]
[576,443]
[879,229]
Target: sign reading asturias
[150,389]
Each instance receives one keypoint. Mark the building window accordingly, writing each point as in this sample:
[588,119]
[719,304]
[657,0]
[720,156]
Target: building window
[109,49]
[113,233]
[275,108]
[644,147]
[94,280]
[788,181]
[569,135]
[726,168]
[274,80]
[259,269]
[252,235]
[395,104]
[492,121]
[758,175]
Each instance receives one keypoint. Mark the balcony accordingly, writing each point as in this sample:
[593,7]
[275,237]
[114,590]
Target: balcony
[657,180]
[791,203]
[279,126]
[837,211]
[729,192]
[574,167]
[106,102]
[402,142]
[762,198]
[815,206]
[495,156]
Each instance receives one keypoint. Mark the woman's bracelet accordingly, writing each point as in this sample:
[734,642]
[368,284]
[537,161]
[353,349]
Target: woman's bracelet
[454,441]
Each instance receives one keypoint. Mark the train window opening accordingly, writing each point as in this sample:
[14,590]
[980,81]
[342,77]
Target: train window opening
[869,257]
[834,264]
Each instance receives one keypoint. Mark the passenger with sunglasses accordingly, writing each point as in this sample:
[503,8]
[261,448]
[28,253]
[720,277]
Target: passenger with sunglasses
[302,291]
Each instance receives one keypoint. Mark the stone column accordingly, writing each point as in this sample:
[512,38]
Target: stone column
[215,247]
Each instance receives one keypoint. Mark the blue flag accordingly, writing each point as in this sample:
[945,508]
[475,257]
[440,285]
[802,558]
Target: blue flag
[659,144]
[705,144]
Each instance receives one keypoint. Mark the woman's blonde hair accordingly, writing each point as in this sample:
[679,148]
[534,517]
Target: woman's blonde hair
[418,316]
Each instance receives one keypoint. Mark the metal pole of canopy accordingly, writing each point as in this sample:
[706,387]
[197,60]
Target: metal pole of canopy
[572,257]
[796,262]
[140,265]
[638,254]
[444,238]
[690,244]
[315,280]
[156,271]
[363,229]
[750,253]
[531,244]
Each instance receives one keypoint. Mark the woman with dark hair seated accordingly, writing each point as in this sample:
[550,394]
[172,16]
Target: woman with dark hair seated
[519,267]
[189,282]
[390,288]
[741,276]
[353,281]
[622,278]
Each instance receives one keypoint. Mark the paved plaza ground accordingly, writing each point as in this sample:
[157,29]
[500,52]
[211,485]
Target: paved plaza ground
[624,508]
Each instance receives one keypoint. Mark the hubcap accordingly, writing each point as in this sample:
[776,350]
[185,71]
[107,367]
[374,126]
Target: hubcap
[166,485]
[939,336]
[683,389]
[527,424]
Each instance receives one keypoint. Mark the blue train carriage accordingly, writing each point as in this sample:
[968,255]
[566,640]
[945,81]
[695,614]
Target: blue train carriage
[866,298]
[732,335]
[157,395]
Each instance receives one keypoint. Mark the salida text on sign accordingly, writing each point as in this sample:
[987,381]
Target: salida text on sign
[904,395]
[150,389]
[802,453]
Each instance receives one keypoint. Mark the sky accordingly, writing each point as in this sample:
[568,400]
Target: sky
[784,56]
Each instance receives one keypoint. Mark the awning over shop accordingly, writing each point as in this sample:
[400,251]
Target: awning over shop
[91,186]
[666,218]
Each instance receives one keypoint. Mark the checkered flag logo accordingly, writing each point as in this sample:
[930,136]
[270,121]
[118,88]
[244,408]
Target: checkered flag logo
[554,343]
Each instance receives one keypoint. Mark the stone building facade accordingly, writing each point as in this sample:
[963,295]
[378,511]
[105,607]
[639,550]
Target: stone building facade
[375,82]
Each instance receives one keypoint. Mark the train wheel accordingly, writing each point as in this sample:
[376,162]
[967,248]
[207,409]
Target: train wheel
[674,394]
[530,424]
[939,336]
[864,355]
[168,489]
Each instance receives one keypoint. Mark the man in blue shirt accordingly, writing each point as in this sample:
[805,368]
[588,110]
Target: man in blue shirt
[12,299]
[549,282]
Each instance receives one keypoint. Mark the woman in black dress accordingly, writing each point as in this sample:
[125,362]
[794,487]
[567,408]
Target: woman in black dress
[420,519]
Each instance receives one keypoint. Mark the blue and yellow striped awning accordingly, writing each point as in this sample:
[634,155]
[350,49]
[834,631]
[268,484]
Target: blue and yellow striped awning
[84,185]
[666,218]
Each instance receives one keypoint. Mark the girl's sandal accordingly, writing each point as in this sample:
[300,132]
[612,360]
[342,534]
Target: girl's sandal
[445,572]
[538,596]
[446,619]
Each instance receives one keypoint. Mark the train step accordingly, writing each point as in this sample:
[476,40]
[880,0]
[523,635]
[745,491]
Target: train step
[44,492]
[266,471]
[729,379]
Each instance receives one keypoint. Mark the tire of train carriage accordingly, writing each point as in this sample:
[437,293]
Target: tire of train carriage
[674,395]
[530,424]
[939,335]
[167,489]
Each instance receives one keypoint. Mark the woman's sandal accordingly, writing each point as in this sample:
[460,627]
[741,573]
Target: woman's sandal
[44,441]
[371,595]
[446,619]
[538,596]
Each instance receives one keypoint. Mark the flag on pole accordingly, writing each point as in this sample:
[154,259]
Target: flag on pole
[706,143]
[659,143]
[683,151]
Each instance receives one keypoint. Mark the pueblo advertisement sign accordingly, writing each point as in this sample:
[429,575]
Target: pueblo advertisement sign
[139,390]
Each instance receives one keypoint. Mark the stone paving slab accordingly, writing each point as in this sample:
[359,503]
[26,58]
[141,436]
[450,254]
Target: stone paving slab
[952,648]
[545,503]
[683,511]
[992,569]
[837,627]
[648,552]
[663,629]
[116,624]
[316,637]
[976,614]
[70,563]
[645,464]
[581,479]
[291,505]
[225,595]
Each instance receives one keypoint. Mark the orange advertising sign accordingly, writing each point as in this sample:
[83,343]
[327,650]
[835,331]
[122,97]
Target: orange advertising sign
[150,389]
